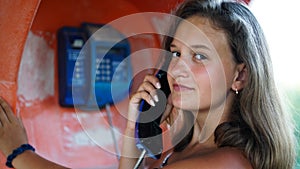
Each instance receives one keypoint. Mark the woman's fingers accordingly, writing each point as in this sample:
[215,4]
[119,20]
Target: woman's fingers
[148,89]
[12,131]
[147,92]
[3,117]
[153,80]
[7,116]
[145,96]
[7,112]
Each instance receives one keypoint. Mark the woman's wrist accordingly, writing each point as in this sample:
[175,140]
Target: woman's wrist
[130,126]
[16,152]
[129,131]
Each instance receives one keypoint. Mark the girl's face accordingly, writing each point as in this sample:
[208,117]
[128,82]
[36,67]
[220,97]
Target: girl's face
[202,69]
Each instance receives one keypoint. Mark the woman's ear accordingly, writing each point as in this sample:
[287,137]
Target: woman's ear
[240,77]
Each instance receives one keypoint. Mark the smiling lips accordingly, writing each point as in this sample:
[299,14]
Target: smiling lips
[179,87]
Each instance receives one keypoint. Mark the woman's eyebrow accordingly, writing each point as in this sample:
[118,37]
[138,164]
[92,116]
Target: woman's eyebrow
[193,47]
[172,45]
[199,47]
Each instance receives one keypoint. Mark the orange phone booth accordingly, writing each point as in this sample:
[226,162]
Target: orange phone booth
[29,75]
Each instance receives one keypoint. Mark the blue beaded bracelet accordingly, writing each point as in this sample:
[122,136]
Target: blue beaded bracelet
[17,152]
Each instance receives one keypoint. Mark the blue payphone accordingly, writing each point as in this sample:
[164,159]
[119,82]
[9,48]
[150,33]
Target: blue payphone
[94,66]
[70,41]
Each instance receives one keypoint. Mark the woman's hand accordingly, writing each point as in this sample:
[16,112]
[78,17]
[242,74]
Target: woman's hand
[147,92]
[12,131]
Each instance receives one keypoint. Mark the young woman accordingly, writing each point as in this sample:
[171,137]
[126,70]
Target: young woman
[221,82]
[228,73]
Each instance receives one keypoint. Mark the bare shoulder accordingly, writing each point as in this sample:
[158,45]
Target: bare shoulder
[222,158]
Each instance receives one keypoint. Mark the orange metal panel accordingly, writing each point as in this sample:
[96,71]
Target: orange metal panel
[16,18]
[28,79]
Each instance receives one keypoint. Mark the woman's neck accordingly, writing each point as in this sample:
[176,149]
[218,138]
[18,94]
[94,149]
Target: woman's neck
[206,122]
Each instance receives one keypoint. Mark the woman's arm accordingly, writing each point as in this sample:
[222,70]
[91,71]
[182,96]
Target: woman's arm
[30,160]
[13,135]
[129,152]
[146,91]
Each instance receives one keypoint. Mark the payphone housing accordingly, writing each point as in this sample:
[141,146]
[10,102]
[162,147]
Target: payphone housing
[94,66]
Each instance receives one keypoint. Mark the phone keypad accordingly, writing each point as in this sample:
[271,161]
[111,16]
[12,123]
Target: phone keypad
[109,69]
[120,69]
[103,71]
[78,72]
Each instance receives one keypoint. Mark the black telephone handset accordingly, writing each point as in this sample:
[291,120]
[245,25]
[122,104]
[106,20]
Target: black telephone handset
[148,133]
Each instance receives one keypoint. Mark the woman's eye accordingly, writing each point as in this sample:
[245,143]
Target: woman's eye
[199,57]
[175,54]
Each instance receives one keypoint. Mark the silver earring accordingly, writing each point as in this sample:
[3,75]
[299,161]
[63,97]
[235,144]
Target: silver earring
[236,91]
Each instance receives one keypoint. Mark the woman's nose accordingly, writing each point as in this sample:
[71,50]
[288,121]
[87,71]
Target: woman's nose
[178,67]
